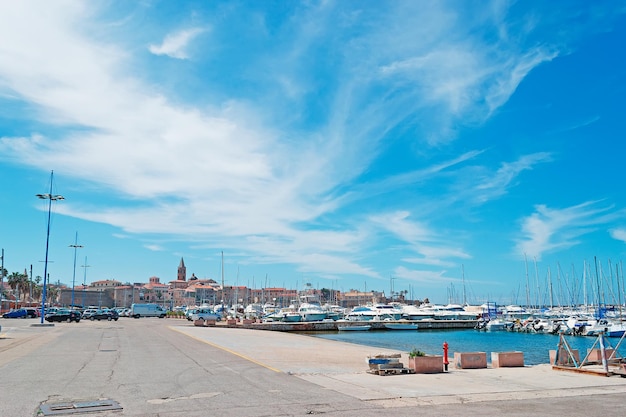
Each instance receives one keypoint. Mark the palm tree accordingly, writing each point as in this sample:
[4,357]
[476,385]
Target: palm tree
[3,273]
[37,288]
[17,282]
[52,293]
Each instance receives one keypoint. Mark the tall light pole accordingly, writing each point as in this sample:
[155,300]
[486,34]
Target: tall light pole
[75,246]
[85,266]
[1,277]
[50,197]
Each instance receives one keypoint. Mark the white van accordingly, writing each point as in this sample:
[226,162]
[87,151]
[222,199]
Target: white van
[147,310]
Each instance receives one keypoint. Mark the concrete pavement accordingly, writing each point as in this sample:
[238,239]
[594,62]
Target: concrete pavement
[167,367]
[342,367]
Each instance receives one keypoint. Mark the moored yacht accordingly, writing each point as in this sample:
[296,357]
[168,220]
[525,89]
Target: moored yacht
[377,312]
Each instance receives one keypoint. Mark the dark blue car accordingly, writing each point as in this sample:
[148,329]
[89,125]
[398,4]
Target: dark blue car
[16,314]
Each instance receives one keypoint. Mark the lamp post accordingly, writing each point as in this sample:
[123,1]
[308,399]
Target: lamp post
[85,266]
[75,246]
[50,197]
[1,277]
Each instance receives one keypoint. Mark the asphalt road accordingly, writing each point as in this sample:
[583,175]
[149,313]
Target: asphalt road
[150,368]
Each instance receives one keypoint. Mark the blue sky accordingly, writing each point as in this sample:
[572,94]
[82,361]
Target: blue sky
[443,148]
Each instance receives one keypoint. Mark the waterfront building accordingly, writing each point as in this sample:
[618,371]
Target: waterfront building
[353,298]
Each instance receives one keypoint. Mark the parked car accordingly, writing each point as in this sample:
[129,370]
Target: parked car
[204,314]
[32,312]
[119,311]
[113,314]
[64,315]
[88,312]
[189,312]
[50,310]
[20,313]
[92,315]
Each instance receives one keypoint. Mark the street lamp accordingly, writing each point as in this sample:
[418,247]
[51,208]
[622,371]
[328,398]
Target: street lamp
[85,266]
[50,197]
[75,246]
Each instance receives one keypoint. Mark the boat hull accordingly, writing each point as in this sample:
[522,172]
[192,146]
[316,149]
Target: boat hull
[354,328]
[401,326]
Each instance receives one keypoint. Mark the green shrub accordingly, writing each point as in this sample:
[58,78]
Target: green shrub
[415,352]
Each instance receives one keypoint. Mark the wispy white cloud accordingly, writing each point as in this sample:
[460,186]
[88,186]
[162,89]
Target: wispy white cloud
[175,44]
[510,73]
[155,248]
[394,182]
[428,261]
[618,234]
[424,277]
[419,239]
[267,159]
[460,78]
[549,230]
[578,124]
[498,183]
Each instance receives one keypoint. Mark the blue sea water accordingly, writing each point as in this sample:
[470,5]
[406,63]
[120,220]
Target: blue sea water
[535,346]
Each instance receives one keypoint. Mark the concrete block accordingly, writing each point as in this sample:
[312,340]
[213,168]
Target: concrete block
[430,364]
[470,360]
[595,355]
[507,359]
[564,358]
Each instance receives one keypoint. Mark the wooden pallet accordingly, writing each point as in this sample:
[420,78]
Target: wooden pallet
[391,371]
[393,368]
[621,371]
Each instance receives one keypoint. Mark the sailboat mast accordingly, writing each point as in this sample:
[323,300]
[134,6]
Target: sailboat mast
[538,295]
[595,261]
[550,287]
[463,277]
[585,283]
[527,283]
[619,291]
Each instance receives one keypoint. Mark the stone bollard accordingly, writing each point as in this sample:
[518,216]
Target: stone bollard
[470,360]
[564,358]
[507,359]
[595,355]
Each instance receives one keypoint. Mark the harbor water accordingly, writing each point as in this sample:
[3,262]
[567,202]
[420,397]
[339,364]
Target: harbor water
[535,346]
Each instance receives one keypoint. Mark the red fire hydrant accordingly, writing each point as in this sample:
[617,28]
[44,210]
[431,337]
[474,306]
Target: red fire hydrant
[445,356]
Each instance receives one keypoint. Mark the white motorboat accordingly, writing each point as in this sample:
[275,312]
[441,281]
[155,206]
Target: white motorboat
[494,325]
[607,327]
[400,326]
[377,312]
[311,312]
[353,327]
[310,308]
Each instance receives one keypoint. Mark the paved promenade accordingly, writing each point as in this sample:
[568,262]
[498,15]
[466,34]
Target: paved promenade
[342,367]
[153,367]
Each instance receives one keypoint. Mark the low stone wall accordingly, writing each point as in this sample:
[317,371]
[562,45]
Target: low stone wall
[507,359]
[595,355]
[430,364]
[470,360]
[564,357]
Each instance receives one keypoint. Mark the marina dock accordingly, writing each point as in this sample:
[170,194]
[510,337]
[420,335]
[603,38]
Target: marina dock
[315,326]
